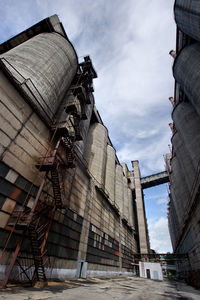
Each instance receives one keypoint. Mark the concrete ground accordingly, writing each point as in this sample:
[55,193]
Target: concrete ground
[122,288]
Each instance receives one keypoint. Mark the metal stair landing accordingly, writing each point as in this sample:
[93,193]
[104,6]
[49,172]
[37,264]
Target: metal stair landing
[45,164]
[19,219]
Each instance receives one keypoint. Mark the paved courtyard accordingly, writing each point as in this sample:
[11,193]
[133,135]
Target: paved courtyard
[122,288]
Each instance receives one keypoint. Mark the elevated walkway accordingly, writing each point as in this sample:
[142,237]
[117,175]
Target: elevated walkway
[155,179]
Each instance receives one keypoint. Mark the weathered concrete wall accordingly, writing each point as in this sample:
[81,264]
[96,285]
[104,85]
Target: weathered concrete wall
[187,123]
[186,73]
[110,172]
[90,228]
[131,209]
[187,166]
[24,136]
[180,190]
[44,66]
[35,90]
[85,124]
[190,243]
[187,15]
[119,188]
[173,222]
[126,200]
[95,151]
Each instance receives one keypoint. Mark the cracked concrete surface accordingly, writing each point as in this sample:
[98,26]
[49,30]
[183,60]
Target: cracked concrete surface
[129,288]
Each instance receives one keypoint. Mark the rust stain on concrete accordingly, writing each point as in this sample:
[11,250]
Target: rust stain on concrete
[15,193]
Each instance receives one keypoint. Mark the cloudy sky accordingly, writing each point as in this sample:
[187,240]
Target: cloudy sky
[128,42]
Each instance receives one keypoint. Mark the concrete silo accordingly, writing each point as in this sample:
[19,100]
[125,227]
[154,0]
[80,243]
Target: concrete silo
[43,68]
[110,172]
[126,199]
[119,188]
[187,17]
[95,151]
[186,73]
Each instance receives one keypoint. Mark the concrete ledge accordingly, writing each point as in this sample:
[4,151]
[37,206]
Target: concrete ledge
[63,274]
[97,273]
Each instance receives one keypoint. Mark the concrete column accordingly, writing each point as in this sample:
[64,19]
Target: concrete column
[120,244]
[110,172]
[125,203]
[142,226]
[82,253]
[130,205]
[119,188]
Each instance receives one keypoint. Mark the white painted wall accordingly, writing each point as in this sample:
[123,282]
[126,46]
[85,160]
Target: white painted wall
[155,270]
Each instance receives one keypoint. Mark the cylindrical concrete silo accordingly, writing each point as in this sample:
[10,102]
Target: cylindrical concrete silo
[187,17]
[184,159]
[186,72]
[126,200]
[174,227]
[171,231]
[110,172]
[176,206]
[84,125]
[95,151]
[119,187]
[130,204]
[187,122]
[43,67]
[179,190]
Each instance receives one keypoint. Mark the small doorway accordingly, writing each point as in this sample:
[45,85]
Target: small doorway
[81,269]
[148,273]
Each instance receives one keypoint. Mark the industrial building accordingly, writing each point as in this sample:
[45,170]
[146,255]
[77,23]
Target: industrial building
[184,166]
[67,206]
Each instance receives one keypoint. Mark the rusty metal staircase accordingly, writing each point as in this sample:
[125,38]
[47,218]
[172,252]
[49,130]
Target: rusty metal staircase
[36,243]
[37,220]
[69,152]
[56,187]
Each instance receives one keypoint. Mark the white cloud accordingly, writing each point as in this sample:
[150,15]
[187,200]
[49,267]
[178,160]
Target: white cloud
[162,201]
[159,235]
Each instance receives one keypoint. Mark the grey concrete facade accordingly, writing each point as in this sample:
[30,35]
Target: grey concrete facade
[57,156]
[92,223]
[184,209]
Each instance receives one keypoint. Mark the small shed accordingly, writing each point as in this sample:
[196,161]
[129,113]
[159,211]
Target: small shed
[150,270]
